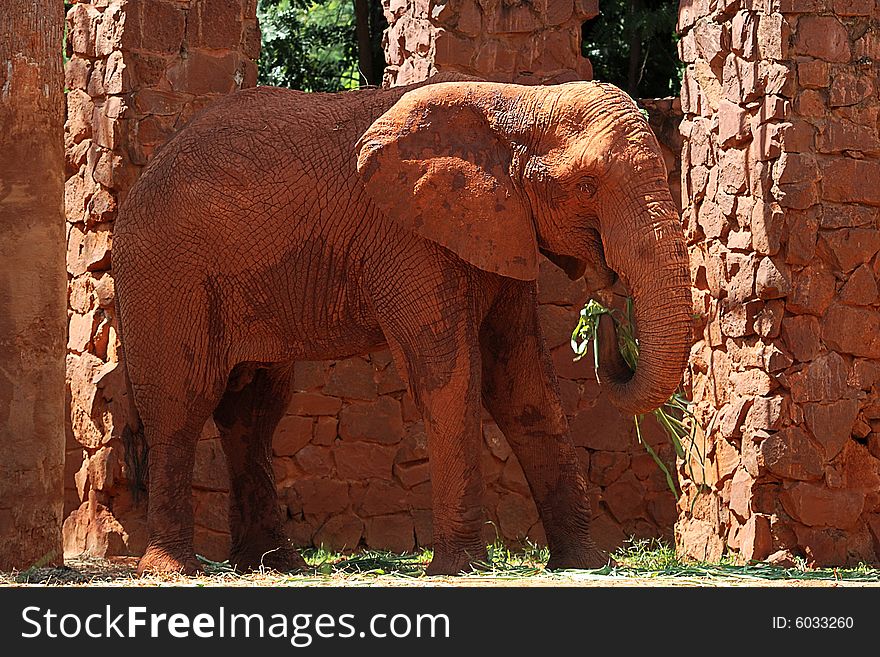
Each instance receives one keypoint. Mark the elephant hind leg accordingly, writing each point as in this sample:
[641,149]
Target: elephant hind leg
[173,414]
[255,400]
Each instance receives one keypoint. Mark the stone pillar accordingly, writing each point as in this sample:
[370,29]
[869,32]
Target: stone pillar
[32,284]
[781,165]
[511,41]
[138,70]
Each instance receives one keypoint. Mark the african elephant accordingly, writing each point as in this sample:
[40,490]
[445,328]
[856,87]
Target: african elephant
[281,225]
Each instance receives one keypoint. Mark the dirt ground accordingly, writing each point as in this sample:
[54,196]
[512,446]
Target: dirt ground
[121,572]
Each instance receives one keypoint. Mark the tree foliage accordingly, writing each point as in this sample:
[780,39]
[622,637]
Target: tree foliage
[632,43]
[312,44]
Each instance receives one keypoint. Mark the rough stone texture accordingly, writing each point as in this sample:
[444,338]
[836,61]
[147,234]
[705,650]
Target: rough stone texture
[664,116]
[781,163]
[511,41]
[32,278]
[138,70]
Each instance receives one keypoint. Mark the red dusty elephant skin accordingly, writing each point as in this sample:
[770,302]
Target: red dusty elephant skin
[281,225]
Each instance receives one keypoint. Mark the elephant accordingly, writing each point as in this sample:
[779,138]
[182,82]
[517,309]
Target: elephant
[281,226]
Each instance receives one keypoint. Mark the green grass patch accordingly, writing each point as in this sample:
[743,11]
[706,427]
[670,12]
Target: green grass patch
[642,558]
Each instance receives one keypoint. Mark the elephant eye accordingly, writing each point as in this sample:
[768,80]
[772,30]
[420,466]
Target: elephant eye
[587,185]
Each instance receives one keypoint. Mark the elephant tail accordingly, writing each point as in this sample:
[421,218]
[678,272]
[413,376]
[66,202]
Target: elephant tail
[136,458]
[134,443]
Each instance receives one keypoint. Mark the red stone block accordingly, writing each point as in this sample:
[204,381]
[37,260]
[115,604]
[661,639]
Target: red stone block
[293,433]
[516,515]
[424,528]
[852,247]
[214,24]
[732,123]
[321,495]
[310,403]
[625,498]
[77,72]
[853,7]
[389,381]
[325,430]
[210,470]
[412,473]
[156,130]
[607,532]
[352,379]
[341,533]
[602,427]
[817,506]
[394,533]
[824,378]
[379,421]
[203,72]
[865,374]
[82,28]
[211,544]
[756,541]
[497,57]
[382,497]
[606,467]
[823,37]
[852,330]
[145,69]
[831,423]
[812,290]
[849,88]
[849,181]
[801,336]
[791,454]
[361,460]
[315,460]
[513,478]
[452,50]
[154,26]
[813,74]
[841,136]
[861,288]
[861,468]
[557,323]
[308,375]
[250,40]
[211,510]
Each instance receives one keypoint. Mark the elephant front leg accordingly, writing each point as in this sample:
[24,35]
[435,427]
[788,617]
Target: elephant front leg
[521,393]
[447,391]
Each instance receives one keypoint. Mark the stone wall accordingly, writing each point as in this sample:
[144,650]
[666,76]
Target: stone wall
[664,117]
[781,165]
[522,41]
[138,70]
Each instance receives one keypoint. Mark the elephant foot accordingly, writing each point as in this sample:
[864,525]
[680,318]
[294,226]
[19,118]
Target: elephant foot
[457,562]
[589,559]
[284,559]
[163,561]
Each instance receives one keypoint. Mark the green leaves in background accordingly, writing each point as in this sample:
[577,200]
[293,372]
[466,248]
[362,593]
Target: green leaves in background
[312,44]
[632,44]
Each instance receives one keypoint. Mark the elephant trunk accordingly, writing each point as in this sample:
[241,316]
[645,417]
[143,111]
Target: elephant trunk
[645,245]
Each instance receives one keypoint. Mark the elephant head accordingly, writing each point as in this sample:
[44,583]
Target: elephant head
[498,173]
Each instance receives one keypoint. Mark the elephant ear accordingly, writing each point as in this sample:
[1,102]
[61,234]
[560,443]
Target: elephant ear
[435,164]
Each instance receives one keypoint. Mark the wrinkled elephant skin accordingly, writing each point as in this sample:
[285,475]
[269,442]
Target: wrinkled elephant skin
[280,226]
